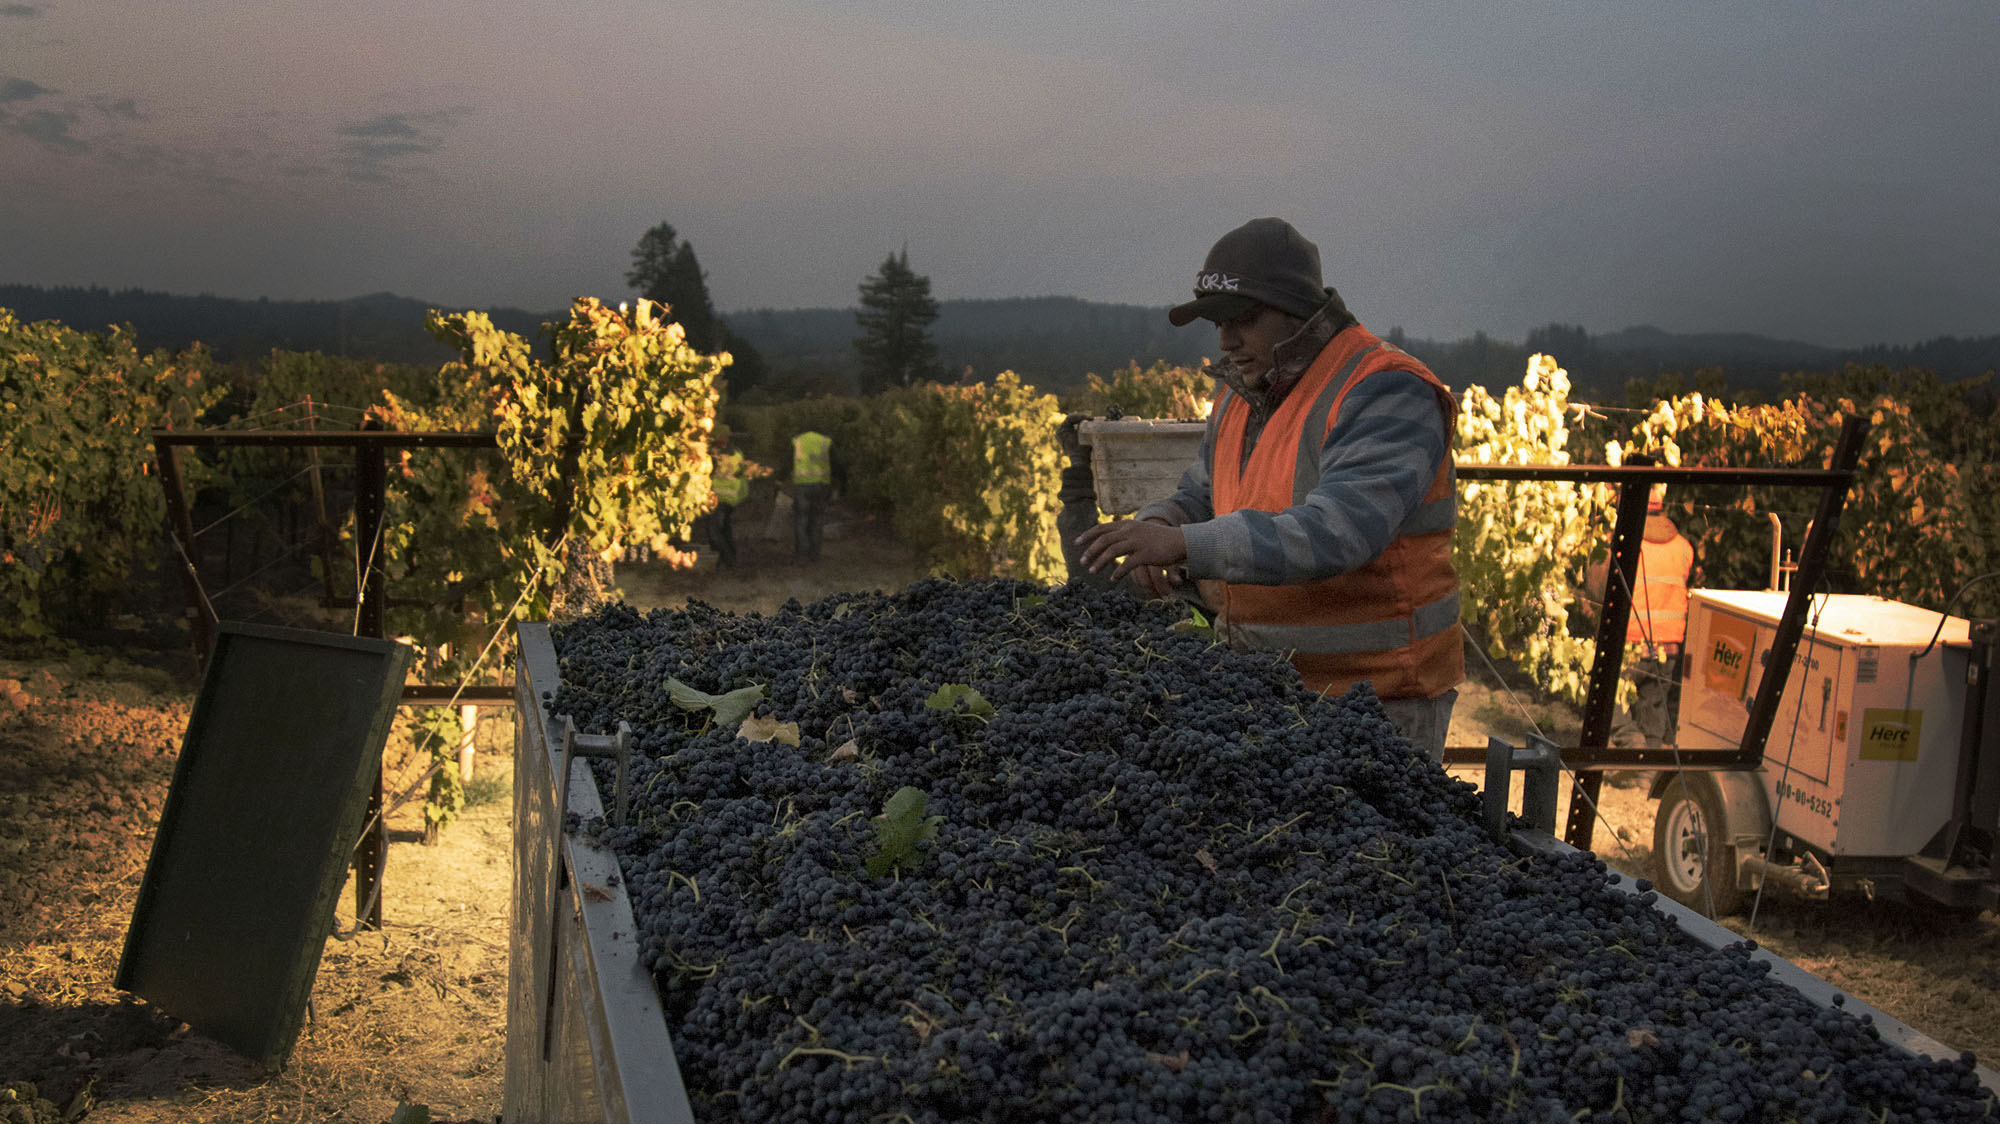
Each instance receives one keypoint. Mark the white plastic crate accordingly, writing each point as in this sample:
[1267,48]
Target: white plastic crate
[1134,461]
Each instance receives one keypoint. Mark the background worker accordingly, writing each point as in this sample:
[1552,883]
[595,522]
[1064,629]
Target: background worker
[730,473]
[1657,628]
[1318,516]
[812,482]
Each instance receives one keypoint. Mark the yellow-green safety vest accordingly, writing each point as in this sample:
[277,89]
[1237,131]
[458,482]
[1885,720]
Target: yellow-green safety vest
[812,459]
[729,481]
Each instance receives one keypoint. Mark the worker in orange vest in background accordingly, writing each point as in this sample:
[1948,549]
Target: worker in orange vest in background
[1657,628]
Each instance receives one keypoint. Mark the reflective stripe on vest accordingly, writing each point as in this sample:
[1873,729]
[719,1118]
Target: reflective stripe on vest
[812,460]
[1392,621]
[1659,601]
[1367,636]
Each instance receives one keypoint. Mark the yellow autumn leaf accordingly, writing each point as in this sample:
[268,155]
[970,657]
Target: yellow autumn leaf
[761,728]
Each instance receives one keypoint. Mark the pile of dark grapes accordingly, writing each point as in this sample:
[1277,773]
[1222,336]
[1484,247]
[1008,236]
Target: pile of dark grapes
[1168,884]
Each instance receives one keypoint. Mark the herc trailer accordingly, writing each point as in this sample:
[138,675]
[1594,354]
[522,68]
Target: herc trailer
[1881,773]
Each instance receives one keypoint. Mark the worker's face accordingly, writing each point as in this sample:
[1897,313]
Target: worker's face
[1251,341]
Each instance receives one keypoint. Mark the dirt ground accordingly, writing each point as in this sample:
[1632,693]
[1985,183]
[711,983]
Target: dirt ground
[416,1012]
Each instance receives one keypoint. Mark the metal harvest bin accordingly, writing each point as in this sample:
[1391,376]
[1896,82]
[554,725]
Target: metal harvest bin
[586,1037]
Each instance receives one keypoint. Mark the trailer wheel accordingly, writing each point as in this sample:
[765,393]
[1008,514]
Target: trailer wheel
[1693,862]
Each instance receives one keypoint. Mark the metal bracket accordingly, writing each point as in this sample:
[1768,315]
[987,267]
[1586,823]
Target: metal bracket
[1538,762]
[617,746]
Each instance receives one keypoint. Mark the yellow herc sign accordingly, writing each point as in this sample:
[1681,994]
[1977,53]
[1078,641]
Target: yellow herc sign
[1728,667]
[1891,735]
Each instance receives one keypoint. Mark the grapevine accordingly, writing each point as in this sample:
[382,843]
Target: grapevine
[1520,546]
[1915,522]
[968,475]
[80,509]
[1158,391]
[604,446]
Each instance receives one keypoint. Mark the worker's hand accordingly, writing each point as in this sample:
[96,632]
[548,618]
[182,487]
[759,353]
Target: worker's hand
[1148,550]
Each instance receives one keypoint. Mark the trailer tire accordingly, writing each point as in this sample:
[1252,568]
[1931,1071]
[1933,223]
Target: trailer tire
[1693,861]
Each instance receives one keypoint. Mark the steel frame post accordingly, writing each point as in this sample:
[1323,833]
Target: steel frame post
[201,624]
[370,445]
[1792,624]
[370,500]
[1608,658]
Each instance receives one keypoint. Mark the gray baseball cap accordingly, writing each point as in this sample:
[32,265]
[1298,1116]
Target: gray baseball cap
[1264,261]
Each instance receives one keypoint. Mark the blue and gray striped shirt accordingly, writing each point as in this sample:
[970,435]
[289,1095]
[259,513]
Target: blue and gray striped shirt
[1379,459]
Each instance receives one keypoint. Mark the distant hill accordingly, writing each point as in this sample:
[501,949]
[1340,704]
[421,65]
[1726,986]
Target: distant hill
[1652,341]
[378,326]
[1051,342]
[1054,341]
[1600,366]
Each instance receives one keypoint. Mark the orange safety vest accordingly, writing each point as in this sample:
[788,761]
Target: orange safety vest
[1660,596]
[1393,621]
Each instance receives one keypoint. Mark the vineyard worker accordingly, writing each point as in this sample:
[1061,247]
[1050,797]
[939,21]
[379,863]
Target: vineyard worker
[1321,508]
[729,476]
[1658,625]
[812,481]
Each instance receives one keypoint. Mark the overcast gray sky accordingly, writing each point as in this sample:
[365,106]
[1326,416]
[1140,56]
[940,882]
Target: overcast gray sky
[1825,171]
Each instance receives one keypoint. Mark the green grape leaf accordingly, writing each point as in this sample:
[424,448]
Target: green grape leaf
[729,709]
[949,697]
[899,830]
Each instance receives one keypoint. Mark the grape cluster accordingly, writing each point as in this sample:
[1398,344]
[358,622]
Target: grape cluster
[1168,884]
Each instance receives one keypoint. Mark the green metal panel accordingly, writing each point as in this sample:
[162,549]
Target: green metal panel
[258,829]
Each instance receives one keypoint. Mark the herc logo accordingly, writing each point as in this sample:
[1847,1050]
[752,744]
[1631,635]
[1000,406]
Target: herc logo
[1216,283]
[1891,735]
[1730,640]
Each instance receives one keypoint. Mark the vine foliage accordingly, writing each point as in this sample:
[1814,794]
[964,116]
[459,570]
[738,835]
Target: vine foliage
[969,473]
[1918,519]
[1921,518]
[1158,391]
[1518,544]
[603,445]
[80,509]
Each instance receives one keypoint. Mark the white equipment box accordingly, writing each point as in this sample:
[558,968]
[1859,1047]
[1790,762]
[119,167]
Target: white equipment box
[1135,461]
[1865,748]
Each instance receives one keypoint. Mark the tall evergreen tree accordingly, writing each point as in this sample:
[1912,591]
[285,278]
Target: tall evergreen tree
[896,308]
[665,269]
